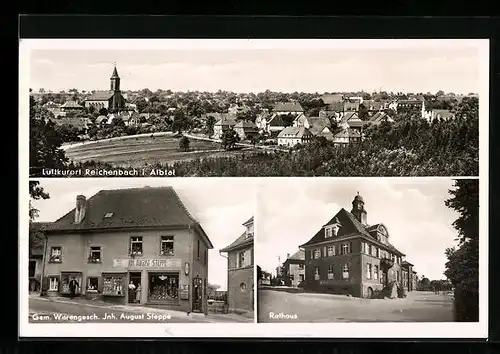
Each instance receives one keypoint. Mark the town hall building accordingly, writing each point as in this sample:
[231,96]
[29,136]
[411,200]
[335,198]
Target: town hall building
[349,256]
[142,239]
[111,100]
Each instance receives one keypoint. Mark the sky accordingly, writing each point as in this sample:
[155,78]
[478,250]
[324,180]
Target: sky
[452,66]
[220,207]
[419,224]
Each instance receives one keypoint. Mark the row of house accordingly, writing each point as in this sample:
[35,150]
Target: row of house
[141,236]
[350,256]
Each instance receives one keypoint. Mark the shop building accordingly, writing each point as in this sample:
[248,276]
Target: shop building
[349,256]
[240,274]
[294,269]
[140,236]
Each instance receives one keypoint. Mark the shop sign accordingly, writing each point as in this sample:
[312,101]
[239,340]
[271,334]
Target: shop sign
[148,263]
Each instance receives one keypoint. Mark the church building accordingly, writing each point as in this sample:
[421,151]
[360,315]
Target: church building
[112,100]
[349,256]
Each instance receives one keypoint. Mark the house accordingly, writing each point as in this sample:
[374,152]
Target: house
[351,120]
[407,276]
[351,106]
[301,121]
[321,127]
[101,120]
[275,124]
[347,136]
[112,100]
[294,268]
[71,106]
[246,129]
[223,125]
[141,235]
[288,108]
[240,269]
[81,123]
[440,114]
[35,267]
[329,98]
[373,106]
[291,136]
[417,106]
[349,256]
[380,117]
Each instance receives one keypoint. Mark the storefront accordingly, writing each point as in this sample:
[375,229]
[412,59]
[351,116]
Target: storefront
[114,287]
[163,288]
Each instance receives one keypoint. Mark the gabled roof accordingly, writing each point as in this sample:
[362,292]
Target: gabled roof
[349,105]
[318,124]
[131,208]
[406,264]
[240,242]
[226,122]
[294,132]
[101,119]
[348,116]
[335,106]
[249,221]
[100,96]
[348,133]
[299,255]
[379,116]
[245,124]
[288,107]
[71,104]
[276,121]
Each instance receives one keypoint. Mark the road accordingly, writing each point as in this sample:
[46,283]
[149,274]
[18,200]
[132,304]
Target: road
[278,306]
[43,311]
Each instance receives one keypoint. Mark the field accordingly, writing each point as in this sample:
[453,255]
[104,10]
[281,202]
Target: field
[141,151]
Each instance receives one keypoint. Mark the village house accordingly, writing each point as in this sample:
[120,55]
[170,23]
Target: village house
[71,106]
[222,126]
[318,126]
[410,106]
[351,105]
[294,268]
[380,117]
[351,120]
[275,124]
[240,269]
[347,136]
[143,236]
[246,129]
[291,136]
[112,100]
[439,114]
[349,256]
[288,108]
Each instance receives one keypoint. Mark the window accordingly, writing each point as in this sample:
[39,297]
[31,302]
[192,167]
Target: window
[330,271]
[301,266]
[363,245]
[317,253]
[301,277]
[345,271]
[291,277]
[375,272]
[95,254]
[374,251]
[397,275]
[346,248]
[368,271]
[243,287]
[167,245]
[56,254]
[136,245]
[32,268]
[328,232]
[378,253]
[331,251]
[206,257]
[198,249]
[368,249]
[53,283]
[316,273]
[241,259]
[92,284]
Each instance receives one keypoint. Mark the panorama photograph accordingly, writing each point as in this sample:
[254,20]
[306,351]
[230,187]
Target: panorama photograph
[342,108]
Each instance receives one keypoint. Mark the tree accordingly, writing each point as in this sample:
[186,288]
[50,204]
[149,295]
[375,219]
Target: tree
[462,268]
[103,112]
[363,112]
[67,132]
[210,126]
[184,143]
[36,193]
[45,142]
[181,121]
[229,139]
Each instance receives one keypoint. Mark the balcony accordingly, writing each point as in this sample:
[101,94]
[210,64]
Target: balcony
[386,263]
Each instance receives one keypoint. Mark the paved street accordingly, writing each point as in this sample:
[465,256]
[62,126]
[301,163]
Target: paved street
[278,306]
[50,311]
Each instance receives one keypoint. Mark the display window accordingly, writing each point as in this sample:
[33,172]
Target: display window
[113,284]
[163,287]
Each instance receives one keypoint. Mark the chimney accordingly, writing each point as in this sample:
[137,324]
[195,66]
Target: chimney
[81,206]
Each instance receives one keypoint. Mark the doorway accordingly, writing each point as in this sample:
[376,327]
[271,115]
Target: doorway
[134,292]
[197,294]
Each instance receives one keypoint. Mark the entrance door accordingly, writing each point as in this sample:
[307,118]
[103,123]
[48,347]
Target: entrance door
[134,292]
[197,294]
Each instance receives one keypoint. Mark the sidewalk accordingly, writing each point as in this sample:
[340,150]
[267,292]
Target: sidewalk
[198,317]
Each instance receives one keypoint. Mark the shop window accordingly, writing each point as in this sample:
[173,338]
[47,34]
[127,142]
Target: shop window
[136,246]
[93,284]
[55,254]
[32,268]
[167,245]
[112,285]
[330,271]
[243,287]
[345,271]
[95,254]
[53,283]
[164,286]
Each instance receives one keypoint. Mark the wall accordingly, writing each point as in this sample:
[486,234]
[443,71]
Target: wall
[295,271]
[238,299]
[115,245]
[199,264]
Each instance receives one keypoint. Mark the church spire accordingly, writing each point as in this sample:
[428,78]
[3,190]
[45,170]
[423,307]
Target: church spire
[115,73]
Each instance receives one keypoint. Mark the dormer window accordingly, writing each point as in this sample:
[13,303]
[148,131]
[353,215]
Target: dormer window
[328,232]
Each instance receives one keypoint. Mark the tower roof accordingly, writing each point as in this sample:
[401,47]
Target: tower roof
[115,74]
[358,198]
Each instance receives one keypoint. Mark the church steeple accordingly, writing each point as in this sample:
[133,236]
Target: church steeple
[358,209]
[115,80]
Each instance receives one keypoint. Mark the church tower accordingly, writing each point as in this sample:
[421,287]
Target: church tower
[358,209]
[116,102]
